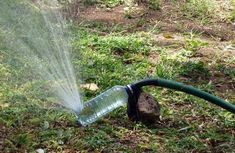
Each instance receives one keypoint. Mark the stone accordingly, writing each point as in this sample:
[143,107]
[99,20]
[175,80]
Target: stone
[39,150]
[148,109]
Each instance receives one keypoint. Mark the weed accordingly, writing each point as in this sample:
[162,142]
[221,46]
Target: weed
[22,140]
[194,44]
[229,71]
[200,9]
[232,15]
[155,4]
[17,142]
[141,22]
[129,11]
[195,70]
[98,139]
[112,3]
[90,2]
[165,70]
[107,3]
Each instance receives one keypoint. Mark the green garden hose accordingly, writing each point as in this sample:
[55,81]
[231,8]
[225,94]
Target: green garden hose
[184,88]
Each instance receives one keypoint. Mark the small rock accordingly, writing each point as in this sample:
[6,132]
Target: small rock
[108,9]
[40,150]
[60,142]
[148,109]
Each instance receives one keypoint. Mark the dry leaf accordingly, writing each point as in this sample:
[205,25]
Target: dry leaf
[90,86]
[168,36]
[4,105]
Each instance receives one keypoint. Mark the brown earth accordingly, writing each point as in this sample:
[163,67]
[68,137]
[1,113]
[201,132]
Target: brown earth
[169,19]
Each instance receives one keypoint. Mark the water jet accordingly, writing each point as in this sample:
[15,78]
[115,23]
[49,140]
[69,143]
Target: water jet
[37,33]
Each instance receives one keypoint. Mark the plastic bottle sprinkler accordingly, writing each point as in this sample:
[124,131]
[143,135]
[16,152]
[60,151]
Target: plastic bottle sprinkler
[118,96]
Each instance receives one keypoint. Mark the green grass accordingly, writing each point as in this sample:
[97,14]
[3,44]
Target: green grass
[111,54]
[232,15]
[107,61]
[112,3]
[107,3]
[155,4]
[29,120]
[198,9]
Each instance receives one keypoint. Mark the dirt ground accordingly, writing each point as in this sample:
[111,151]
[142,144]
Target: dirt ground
[168,19]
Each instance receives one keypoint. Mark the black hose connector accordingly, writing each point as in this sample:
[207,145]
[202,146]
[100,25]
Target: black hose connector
[134,91]
[132,102]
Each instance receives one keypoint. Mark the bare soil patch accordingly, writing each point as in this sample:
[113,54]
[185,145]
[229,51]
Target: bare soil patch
[169,19]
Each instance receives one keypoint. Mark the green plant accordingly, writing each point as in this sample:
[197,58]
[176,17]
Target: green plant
[90,2]
[165,69]
[107,3]
[230,71]
[155,4]
[129,11]
[99,138]
[195,70]
[232,15]
[192,45]
[200,9]
[112,3]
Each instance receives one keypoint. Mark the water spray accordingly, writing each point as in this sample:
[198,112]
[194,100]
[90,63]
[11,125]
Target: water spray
[118,96]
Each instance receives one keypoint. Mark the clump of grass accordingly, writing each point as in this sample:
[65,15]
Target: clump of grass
[199,9]
[167,67]
[107,3]
[229,71]
[90,2]
[195,70]
[131,8]
[112,3]
[129,11]
[232,15]
[125,43]
[155,4]
[192,45]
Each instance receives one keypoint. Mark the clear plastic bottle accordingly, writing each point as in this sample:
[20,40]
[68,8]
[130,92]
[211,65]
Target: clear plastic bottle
[103,104]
